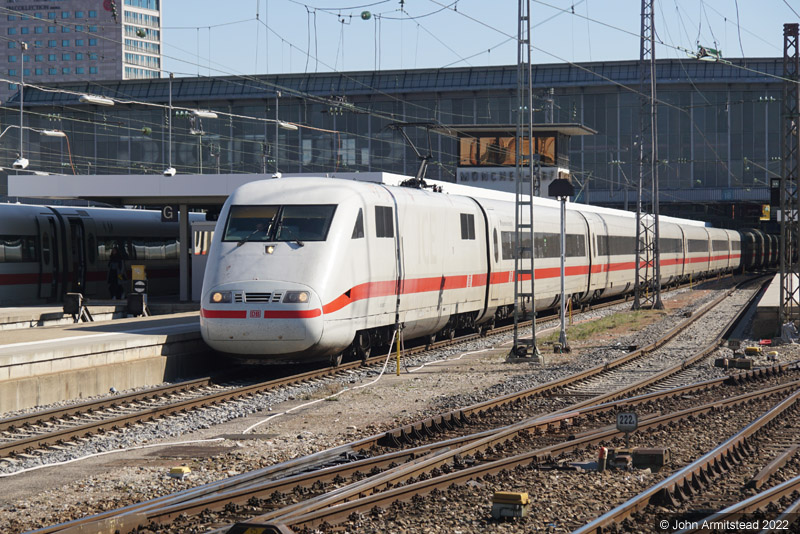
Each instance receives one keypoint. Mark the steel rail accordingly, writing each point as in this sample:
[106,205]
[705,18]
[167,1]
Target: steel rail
[425,456]
[750,505]
[47,439]
[341,510]
[393,436]
[456,417]
[695,475]
[76,410]
[537,425]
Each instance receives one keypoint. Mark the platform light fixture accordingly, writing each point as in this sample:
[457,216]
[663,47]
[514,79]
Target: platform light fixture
[96,100]
[170,170]
[287,126]
[52,133]
[204,114]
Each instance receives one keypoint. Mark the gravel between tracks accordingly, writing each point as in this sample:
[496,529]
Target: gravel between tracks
[53,494]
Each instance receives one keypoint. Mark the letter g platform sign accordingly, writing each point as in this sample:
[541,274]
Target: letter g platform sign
[169,214]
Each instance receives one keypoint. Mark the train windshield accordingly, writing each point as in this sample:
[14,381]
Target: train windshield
[309,222]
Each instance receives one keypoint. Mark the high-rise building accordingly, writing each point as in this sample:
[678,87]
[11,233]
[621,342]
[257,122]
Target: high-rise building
[74,40]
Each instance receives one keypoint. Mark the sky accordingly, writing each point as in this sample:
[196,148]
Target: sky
[242,37]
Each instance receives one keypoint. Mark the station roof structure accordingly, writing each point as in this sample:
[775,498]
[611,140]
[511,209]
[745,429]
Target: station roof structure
[565,128]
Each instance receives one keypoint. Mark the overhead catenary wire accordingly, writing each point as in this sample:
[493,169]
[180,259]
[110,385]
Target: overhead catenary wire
[440,10]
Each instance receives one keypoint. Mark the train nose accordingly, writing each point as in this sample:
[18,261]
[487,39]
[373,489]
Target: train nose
[261,317]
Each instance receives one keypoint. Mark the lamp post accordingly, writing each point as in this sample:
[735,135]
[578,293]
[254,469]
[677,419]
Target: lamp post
[21,162]
[170,170]
[277,125]
[197,129]
[562,189]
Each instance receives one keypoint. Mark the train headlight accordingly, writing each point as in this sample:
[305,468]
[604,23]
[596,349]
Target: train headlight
[220,297]
[295,297]
[269,249]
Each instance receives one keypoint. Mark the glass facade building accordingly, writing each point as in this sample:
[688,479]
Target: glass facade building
[79,40]
[719,129]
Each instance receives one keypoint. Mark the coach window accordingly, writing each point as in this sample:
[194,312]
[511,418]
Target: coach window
[358,229]
[467,226]
[698,245]
[384,226]
[719,244]
[496,251]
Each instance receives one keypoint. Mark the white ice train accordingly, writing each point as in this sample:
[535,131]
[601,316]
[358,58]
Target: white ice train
[310,268]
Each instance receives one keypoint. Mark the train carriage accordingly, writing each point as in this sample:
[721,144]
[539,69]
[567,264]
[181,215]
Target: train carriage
[46,252]
[310,268]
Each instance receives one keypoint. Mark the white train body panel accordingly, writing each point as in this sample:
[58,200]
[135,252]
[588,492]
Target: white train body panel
[366,255]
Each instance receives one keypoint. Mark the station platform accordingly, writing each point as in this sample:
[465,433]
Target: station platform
[43,365]
[765,320]
[101,310]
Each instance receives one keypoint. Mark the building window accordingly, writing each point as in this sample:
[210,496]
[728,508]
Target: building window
[12,86]
[38,57]
[12,72]
[38,29]
[51,57]
[92,70]
[12,44]
[65,29]
[12,31]
[65,70]
[25,30]
[51,15]
[78,28]
[52,71]
[51,44]
[93,29]
[92,14]
[65,42]
[37,44]
[12,59]
[78,70]
[92,42]
[39,71]
[79,14]
[78,55]
[12,17]
[51,29]
[79,42]
[65,14]
[66,57]
[26,72]
[92,55]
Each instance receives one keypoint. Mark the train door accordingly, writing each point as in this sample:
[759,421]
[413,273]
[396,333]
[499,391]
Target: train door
[77,237]
[48,258]
[95,275]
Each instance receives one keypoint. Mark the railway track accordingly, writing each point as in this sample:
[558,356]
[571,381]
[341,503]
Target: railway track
[41,433]
[256,480]
[712,482]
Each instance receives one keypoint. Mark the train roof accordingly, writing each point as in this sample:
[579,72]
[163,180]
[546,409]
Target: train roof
[394,180]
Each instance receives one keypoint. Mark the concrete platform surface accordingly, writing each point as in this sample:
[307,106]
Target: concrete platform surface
[50,364]
[101,310]
[765,321]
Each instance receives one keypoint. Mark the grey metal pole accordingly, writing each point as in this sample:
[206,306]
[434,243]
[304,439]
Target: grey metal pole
[277,96]
[562,338]
[169,119]
[24,47]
